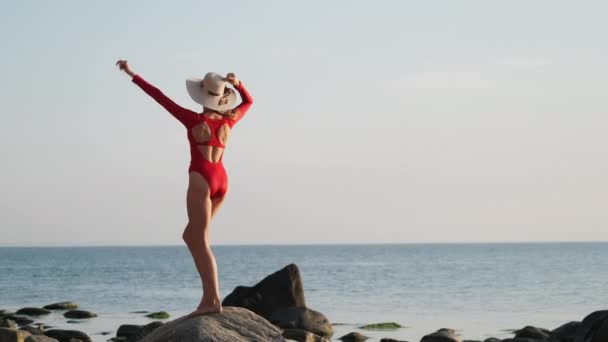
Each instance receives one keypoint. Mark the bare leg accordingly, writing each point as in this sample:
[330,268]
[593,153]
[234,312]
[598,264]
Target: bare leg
[196,236]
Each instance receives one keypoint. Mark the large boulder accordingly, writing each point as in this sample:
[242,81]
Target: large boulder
[232,325]
[564,333]
[594,328]
[282,289]
[67,335]
[61,306]
[302,318]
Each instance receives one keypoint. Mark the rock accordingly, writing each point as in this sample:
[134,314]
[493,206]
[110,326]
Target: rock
[381,326]
[299,335]
[158,315]
[33,330]
[492,339]
[564,333]
[593,328]
[33,312]
[521,339]
[79,314]
[386,339]
[13,335]
[62,306]
[533,333]
[139,312]
[7,323]
[67,335]
[442,335]
[20,320]
[232,325]
[353,337]
[282,289]
[40,338]
[133,332]
[302,318]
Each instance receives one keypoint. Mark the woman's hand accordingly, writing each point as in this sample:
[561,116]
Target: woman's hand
[231,78]
[124,66]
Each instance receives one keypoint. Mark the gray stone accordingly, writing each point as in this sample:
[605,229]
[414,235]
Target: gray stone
[353,337]
[302,336]
[13,335]
[33,311]
[302,318]
[442,335]
[67,335]
[232,325]
[79,314]
[282,289]
[61,306]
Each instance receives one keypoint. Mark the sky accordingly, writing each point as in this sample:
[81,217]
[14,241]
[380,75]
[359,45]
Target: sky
[373,122]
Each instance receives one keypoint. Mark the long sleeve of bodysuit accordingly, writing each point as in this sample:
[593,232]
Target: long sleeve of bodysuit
[247,101]
[185,116]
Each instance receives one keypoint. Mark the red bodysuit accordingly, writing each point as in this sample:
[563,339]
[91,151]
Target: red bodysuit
[203,131]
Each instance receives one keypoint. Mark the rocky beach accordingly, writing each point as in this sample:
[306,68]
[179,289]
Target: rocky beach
[274,309]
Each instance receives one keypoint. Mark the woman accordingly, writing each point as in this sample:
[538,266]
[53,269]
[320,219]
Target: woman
[207,133]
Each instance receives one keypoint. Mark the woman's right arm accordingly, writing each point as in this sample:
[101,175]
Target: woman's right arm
[185,116]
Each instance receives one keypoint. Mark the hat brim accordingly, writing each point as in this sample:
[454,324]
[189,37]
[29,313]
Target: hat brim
[200,96]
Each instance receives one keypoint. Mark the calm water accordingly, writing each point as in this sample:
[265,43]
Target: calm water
[478,289]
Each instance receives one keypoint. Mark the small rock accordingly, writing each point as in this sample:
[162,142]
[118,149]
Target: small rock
[158,315]
[386,339]
[442,335]
[302,336]
[139,312]
[73,321]
[10,334]
[33,312]
[119,339]
[62,306]
[79,314]
[128,331]
[492,339]
[353,337]
[67,335]
[104,333]
[381,326]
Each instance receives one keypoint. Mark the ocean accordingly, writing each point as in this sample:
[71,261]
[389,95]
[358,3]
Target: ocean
[480,290]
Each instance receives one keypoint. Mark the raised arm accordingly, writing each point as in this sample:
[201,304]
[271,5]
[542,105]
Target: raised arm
[247,99]
[185,116]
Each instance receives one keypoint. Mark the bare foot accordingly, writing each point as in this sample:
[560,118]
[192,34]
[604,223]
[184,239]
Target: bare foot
[203,310]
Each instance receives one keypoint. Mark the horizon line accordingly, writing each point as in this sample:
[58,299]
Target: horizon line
[318,244]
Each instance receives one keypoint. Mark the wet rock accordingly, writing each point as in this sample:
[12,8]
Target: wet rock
[131,332]
[40,338]
[33,312]
[381,326]
[67,335]
[139,312]
[282,289]
[303,319]
[492,339]
[231,325]
[386,339]
[533,333]
[7,323]
[79,314]
[158,315]
[353,337]
[20,320]
[33,330]
[302,336]
[564,333]
[442,335]
[13,335]
[62,306]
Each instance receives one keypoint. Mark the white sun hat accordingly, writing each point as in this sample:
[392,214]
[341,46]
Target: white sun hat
[212,92]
